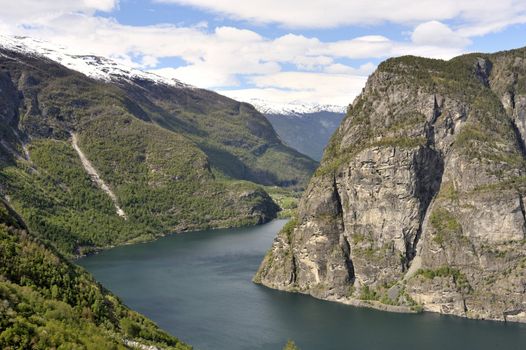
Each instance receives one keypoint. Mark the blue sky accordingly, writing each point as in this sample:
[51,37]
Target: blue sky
[309,51]
[143,13]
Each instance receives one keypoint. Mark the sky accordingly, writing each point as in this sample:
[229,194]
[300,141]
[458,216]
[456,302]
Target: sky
[280,51]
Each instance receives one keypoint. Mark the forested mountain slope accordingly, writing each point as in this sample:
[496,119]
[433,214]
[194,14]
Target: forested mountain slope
[308,133]
[48,303]
[169,157]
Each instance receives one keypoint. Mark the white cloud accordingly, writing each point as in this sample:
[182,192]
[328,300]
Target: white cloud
[338,68]
[227,56]
[361,47]
[201,76]
[41,11]
[483,28]
[303,81]
[101,5]
[335,13]
[301,87]
[224,58]
[437,34]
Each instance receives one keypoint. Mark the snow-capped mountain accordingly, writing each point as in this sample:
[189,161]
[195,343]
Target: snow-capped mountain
[293,108]
[306,127]
[95,67]
[308,133]
[106,69]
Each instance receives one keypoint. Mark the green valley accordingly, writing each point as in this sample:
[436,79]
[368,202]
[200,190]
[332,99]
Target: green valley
[174,158]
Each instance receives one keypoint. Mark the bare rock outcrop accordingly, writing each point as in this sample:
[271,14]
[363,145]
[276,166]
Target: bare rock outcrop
[419,199]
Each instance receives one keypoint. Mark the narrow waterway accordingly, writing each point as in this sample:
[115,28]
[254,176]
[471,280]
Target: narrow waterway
[198,287]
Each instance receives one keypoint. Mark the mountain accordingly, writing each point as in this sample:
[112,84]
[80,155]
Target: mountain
[182,108]
[418,203]
[48,303]
[95,154]
[308,133]
[96,67]
[293,107]
[306,127]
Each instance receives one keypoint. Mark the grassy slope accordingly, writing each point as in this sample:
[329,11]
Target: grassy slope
[177,192]
[239,141]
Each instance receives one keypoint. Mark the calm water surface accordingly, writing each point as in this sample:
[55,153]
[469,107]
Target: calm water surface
[198,287]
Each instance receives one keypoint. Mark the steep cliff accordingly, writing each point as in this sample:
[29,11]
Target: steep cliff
[419,199]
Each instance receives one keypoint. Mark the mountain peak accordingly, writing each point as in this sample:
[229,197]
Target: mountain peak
[294,108]
[95,67]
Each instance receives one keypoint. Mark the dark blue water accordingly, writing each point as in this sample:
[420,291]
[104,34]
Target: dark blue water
[198,287]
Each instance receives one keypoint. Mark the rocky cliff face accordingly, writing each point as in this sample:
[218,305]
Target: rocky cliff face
[419,199]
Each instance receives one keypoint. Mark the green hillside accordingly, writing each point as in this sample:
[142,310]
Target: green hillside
[174,158]
[48,303]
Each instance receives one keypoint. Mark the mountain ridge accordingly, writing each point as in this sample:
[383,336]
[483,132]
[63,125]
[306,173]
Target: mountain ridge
[309,133]
[293,108]
[93,66]
[176,158]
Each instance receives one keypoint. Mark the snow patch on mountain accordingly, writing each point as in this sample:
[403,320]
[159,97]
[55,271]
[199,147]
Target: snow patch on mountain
[293,108]
[105,69]
[96,67]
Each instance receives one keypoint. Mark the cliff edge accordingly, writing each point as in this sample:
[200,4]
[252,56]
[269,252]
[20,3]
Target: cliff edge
[419,199]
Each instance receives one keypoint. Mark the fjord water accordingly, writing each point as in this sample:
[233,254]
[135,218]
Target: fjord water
[198,287]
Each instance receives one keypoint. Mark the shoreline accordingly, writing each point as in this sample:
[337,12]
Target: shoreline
[376,305]
[97,250]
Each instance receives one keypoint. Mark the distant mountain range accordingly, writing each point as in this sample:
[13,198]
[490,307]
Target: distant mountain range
[306,127]
[96,67]
[308,133]
[293,108]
